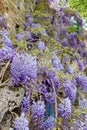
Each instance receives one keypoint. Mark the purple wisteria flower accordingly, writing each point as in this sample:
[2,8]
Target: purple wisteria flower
[69,69]
[41,45]
[25,104]
[36,1]
[72,35]
[64,108]
[72,39]
[64,42]
[46,87]
[23,68]
[29,36]
[56,83]
[20,36]
[6,53]
[21,123]
[7,41]
[51,74]
[28,22]
[2,23]
[79,20]
[54,4]
[83,102]
[38,113]
[49,123]
[50,97]
[81,43]
[70,89]
[42,88]
[85,62]
[56,62]
[4,33]
[80,124]
[80,65]
[82,82]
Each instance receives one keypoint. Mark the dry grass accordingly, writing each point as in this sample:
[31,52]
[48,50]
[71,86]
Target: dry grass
[14,11]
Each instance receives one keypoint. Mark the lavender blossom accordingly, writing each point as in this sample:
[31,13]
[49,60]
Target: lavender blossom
[23,68]
[21,123]
[64,108]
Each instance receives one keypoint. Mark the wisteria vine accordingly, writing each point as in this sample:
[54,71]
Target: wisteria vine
[49,62]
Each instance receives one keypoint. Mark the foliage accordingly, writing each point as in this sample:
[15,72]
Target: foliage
[79,5]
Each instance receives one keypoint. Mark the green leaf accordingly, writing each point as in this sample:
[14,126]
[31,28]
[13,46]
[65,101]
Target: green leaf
[37,30]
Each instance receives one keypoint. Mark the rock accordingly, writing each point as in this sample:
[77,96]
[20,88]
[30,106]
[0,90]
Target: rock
[9,100]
